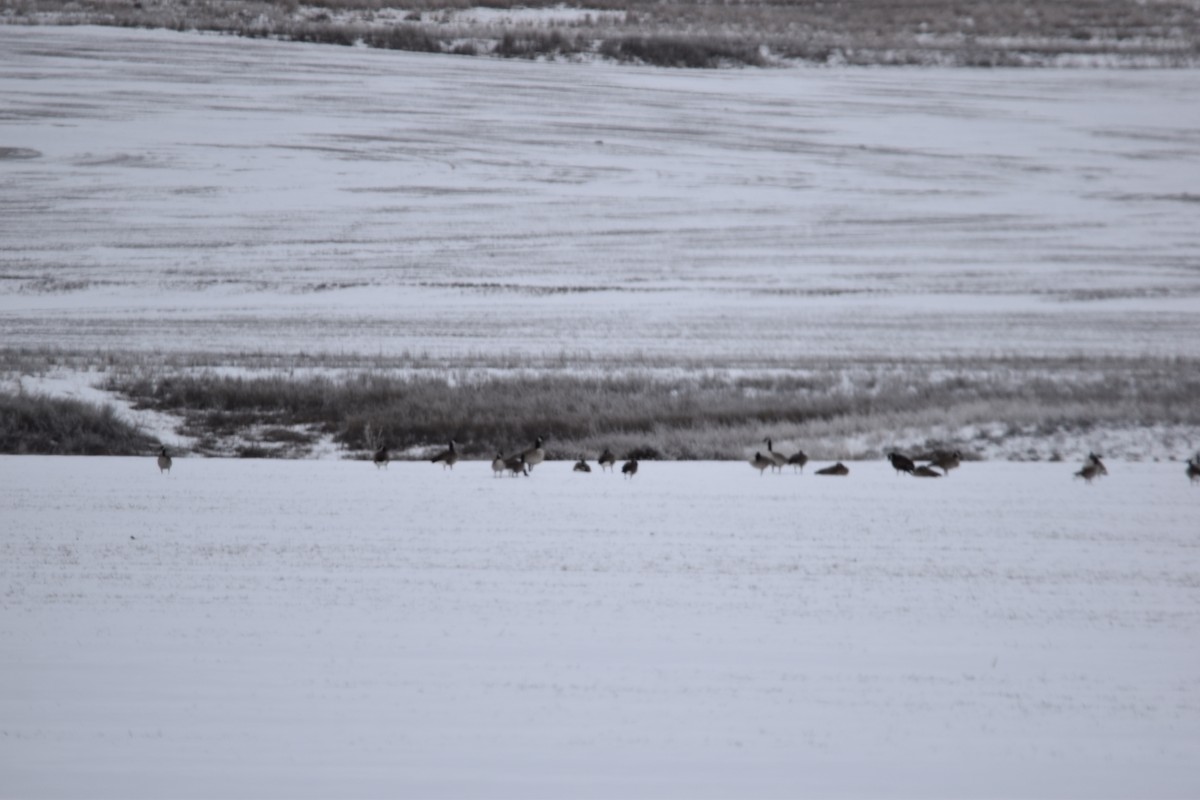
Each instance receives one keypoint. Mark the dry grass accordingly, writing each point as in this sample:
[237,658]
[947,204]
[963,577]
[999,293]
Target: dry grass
[37,424]
[858,411]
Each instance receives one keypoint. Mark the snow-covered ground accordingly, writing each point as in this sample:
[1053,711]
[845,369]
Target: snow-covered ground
[165,192]
[323,628]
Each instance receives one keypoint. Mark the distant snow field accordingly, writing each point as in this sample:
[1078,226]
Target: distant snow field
[169,193]
[324,628]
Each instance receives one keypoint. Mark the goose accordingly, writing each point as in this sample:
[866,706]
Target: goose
[516,465]
[630,468]
[778,460]
[164,460]
[1088,473]
[607,460]
[760,463]
[534,455]
[381,457]
[1193,469]
[926,472]
[447,458]
[581,466]
[837,469]
[901,463]
[799,460]
[945,460]
[498,465]
[1095,461]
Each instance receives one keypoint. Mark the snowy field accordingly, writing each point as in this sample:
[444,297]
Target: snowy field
[164,192]
[321,628]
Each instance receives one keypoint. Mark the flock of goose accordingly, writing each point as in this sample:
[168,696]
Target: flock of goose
[945,460]
[522,463]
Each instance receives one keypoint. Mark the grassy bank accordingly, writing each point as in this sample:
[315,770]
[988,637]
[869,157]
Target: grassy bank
[691,33]
[856,411]
[37,424]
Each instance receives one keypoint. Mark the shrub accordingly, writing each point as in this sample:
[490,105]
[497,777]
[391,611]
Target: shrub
[38,424]
[682,51]
[413,38]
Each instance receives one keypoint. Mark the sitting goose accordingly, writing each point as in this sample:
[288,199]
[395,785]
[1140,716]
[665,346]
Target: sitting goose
[581,466]
[945,460]
[837,469]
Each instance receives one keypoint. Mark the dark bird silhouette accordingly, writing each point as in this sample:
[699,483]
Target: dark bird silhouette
[516,466]
[630,468]
[607,460]
[1095,461]
[926,472]
[798,460]
[1088,473]
[1193,469]
[381,457]
[837,469]
[581,466]
[447,458]
[761,462]
[901,463]
[164,460]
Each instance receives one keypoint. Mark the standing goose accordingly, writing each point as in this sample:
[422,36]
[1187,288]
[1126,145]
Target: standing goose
[534,455]
[381,457]
[164,460]
[1095,461]
[777,459]
[1088,473]
[447,458]
[581,466]
[1193,469]
[630,468]
[901,463]
[837,469]
[516,466]
[498,465]
[607,460]
[799,460]
[760,462]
